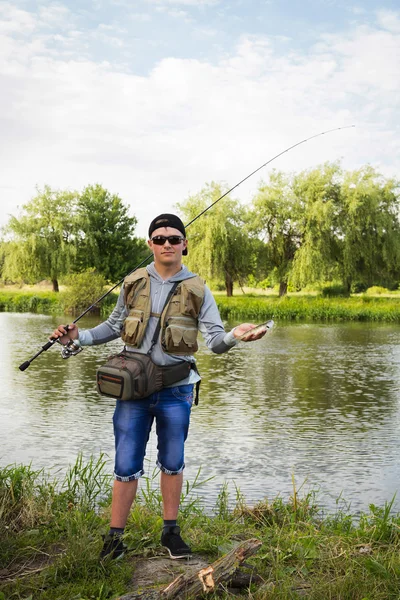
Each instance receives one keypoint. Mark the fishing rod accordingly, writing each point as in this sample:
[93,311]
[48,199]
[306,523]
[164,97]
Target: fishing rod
[51,342]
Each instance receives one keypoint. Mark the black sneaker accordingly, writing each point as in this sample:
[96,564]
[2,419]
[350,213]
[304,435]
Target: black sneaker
[113,547]
[175,545]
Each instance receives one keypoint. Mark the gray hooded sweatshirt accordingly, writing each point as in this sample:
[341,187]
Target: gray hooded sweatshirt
[209,324]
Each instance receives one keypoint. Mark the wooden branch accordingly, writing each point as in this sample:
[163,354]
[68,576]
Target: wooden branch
[207,580]
[192,584]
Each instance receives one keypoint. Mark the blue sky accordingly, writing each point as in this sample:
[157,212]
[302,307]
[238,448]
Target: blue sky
[154,98]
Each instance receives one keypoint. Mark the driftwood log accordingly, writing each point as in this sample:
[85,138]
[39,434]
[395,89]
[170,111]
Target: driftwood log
[207,580]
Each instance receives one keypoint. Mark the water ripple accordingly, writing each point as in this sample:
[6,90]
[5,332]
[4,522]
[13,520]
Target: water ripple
[317,401]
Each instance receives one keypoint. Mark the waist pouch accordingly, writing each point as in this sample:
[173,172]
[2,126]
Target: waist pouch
[132,376]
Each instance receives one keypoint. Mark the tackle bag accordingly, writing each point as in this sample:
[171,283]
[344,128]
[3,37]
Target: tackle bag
[132,376]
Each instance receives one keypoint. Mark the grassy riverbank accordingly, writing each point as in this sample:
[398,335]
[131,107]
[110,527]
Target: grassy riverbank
[43,301]
[294,307]
[50,534]
[310,308]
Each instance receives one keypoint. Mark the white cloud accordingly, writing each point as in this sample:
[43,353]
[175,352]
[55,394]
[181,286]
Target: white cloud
[389,20]
[55,15]
[176,13]
[68,121]
[14,20]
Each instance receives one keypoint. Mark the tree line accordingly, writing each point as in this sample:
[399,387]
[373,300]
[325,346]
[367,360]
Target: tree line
[59,233]
[323,224]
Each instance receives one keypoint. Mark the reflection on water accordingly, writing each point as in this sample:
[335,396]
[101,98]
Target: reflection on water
[319,401]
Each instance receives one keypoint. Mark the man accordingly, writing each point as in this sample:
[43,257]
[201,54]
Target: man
[135,318]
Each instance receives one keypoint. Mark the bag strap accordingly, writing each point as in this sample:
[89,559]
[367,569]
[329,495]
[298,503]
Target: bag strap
[197,384]
[157,330]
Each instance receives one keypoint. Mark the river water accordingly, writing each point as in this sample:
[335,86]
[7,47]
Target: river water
[319,403]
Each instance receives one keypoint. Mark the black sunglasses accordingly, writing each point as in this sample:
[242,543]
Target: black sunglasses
[174,240]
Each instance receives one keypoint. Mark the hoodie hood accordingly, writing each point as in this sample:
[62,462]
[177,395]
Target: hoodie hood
[181,275]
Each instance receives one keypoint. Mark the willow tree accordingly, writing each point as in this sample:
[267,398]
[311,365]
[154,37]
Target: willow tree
[275,218]
[370,230]
[318,193]
[41,240]
[218,247]
[350,227]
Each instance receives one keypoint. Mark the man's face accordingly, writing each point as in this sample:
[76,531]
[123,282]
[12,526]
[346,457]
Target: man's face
[168,254]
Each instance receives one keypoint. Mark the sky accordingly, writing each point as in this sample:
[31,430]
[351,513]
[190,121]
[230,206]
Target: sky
[155,98]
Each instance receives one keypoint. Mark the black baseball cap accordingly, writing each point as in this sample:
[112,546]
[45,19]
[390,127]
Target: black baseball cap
[168,220]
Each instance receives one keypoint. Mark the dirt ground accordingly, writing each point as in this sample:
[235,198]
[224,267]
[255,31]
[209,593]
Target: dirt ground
[161,570]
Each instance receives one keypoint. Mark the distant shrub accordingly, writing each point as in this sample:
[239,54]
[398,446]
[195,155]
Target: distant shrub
[358,287]
[265,284]
[83,290]
[376,290]
[107,306]
[313,287]
[215,284]
[252,281]
[21,301]
[334,290]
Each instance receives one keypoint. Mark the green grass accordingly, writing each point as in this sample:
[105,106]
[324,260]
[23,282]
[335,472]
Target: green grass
[310,308]
[44,302]
[29,301]
[50,534]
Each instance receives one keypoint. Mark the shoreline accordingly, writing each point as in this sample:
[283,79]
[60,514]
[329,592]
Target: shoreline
[294,307]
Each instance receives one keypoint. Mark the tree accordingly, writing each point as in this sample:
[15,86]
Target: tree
[106,238]
[3,252]
[41,241]
[318,194]
[350,227]
[275,217]
[220,249]
[370,234]
[61,232]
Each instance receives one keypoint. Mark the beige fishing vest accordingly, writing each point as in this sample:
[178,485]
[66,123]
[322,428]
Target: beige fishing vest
[178,319]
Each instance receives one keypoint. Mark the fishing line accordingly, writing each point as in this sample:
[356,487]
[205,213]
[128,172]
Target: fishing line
[264,165]
[50,343]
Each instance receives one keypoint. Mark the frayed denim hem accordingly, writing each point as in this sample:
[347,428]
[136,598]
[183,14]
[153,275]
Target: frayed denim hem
[167,471]
[129,477]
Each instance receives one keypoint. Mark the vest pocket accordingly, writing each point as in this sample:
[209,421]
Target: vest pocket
[191,301]
[132,326]
[181,336]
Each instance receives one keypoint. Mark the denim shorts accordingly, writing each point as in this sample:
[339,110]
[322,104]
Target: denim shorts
[132,424]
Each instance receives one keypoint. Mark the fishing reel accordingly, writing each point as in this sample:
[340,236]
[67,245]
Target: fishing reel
[71,349]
